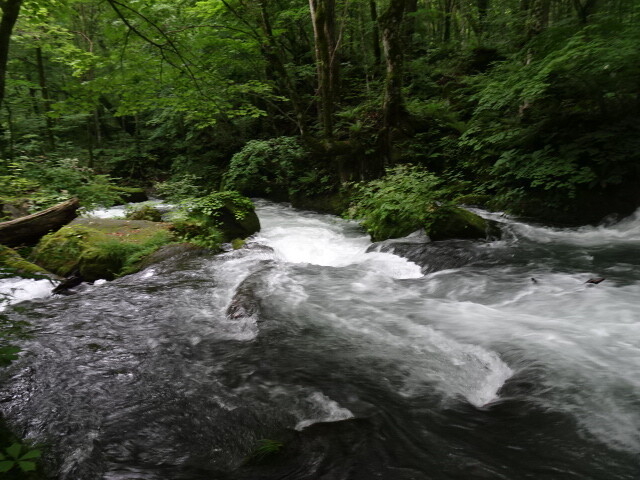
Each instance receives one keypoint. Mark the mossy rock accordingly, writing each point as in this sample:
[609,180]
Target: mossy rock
[11,262]
[145,212]
[100,248]
[454,222]
[235,222]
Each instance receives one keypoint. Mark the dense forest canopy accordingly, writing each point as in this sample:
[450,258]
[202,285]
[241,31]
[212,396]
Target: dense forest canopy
[525,105]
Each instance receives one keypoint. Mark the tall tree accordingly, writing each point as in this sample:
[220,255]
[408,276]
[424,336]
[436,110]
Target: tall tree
[323,15]
[10,12]
[393,110]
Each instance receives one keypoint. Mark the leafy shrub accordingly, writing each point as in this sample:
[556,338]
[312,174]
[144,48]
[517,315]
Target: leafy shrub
[180,187]
[562,125]
[277,168]
[47,181]
[405,199]
[207,221]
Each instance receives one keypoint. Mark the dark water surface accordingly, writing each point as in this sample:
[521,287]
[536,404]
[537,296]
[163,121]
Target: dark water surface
[358,363]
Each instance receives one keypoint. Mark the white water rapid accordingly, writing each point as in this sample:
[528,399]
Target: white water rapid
[457,360]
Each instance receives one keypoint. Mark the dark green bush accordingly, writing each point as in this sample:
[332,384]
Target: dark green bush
[406,199]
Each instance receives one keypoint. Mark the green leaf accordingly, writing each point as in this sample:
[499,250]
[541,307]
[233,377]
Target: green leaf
[31,454]
[27,466]
[6,465]
[14,450]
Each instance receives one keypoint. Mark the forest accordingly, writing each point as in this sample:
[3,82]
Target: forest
[525,106]
[502,135]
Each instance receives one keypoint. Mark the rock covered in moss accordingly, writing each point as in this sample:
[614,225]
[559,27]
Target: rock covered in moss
[100,248]
[145,212]
[12,263]
[454,222]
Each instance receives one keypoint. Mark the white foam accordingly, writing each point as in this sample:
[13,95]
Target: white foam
[14,290]
[626,231]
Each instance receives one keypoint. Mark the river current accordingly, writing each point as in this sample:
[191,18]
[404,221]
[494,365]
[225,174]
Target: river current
[311,354]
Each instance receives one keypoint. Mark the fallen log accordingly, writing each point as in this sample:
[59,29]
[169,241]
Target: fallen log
[28,230]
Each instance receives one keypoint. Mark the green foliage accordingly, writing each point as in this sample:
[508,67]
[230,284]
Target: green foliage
[207,221]
[277,168]
[180,187]
[199,231]
[18,456]
[213,205]
[561,123]
[406,199]
[46,181]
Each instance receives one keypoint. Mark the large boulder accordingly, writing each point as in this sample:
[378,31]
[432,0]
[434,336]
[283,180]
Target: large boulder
[455,222]
[100,248]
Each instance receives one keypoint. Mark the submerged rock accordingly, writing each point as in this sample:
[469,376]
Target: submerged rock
[433,256]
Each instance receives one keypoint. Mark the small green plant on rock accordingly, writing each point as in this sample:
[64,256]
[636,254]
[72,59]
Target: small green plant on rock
[18,456]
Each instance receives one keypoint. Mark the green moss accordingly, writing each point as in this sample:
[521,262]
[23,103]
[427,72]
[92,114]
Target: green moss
[105,248]
[12,263]
[145,212]
[237,243]
[453,222]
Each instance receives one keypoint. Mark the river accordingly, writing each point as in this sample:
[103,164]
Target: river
[310,354]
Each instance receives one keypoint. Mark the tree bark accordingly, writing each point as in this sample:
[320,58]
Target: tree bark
[324,33]
[377,52]
[483,9]
[393,110]
[46,100]
[28,230]
[10,11]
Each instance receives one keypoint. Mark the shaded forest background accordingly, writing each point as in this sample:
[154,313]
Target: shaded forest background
[530,106]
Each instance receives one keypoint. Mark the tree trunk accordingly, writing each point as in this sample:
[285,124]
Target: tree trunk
[393,111]
[46,101]
[448,12]
[10,11]
[28,230]
[538,17]
[483,9]
[377,53]
[323,20]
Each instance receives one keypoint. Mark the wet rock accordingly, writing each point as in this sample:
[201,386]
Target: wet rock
[64,287]
[433,256]
[461,223]
[235,226]
[170,251]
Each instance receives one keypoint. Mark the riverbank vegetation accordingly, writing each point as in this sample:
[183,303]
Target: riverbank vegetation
[527,105]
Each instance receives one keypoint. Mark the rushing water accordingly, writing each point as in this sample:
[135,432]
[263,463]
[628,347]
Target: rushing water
[364,365]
